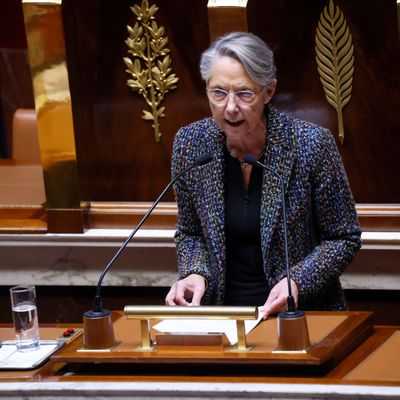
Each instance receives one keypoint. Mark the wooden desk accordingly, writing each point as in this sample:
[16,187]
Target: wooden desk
[349,378]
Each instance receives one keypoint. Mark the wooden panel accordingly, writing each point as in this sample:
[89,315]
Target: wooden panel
[15,80]
[383,364]
[373,217]
[22,219]
[103,215]
[217,373]
[118,157]
[225,19]
[372,344]
[333,341]
[47,56]
[379,217]
[371,147]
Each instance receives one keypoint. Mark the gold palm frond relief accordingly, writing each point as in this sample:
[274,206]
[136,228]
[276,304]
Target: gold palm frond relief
[150,63]
[335,60]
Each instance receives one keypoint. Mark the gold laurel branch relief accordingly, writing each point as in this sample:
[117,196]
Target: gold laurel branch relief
[149,63]
[335,60]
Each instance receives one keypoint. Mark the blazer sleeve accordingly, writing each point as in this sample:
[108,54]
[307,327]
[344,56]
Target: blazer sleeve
[192,254]
[335,219]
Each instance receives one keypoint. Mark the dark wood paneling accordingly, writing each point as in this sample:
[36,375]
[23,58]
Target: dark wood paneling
[371,147]
[117,154]
[68,303]
[15,81]
[118,157]
[15,91]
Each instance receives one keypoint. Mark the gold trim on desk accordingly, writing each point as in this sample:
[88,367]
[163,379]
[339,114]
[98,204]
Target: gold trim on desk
[201,312]
[146,313]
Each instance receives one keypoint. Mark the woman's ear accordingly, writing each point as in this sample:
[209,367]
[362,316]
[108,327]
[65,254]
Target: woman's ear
[270,91]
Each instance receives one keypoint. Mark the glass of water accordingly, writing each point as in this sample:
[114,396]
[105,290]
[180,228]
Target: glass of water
[25,316]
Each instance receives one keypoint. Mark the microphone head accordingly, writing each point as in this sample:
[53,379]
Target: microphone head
[250,159]
[204,159]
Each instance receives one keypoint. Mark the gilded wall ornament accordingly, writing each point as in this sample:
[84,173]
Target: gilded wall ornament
[149,64]
[335,60]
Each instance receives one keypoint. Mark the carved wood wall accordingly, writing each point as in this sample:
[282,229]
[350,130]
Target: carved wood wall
[118,157]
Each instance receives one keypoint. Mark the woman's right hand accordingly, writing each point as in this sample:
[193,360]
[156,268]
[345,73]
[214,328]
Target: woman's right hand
[186,291]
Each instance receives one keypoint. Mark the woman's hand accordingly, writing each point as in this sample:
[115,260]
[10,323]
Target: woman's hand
[277,298]
[186,291]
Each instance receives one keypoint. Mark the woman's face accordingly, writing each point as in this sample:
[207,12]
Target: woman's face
[233,116]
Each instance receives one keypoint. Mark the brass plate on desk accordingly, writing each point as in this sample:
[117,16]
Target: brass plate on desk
[334,335]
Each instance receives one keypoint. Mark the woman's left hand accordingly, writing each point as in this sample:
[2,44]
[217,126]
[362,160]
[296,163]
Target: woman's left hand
[277,298]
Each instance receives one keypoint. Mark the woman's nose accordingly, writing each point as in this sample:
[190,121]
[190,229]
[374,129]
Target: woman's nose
[231,104]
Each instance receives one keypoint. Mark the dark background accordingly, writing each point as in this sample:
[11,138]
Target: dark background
[118,157]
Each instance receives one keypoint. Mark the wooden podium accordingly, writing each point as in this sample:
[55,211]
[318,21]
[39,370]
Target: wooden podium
[333,336]
[348,356]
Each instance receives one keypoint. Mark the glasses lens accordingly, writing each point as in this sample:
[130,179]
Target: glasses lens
[218,95]
[245,96]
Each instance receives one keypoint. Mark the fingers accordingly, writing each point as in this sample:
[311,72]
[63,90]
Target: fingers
[176,295]
[181,290]
[186,291]
[170,298]
[197,295]
[277,298]
[273,305]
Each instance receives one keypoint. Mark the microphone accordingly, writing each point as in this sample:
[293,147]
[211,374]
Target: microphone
[286,332]
[250,159]
[98,313]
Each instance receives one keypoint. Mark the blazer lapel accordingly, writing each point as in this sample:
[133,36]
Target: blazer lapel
[213,195]
[280,158]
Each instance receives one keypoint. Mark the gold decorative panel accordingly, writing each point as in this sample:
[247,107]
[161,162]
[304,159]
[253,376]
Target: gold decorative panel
[150,65]
[47,57]
[335,60]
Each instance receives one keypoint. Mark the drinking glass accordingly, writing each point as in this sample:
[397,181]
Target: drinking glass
[25,317]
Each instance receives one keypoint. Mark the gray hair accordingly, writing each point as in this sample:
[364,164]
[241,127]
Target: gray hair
[252,52]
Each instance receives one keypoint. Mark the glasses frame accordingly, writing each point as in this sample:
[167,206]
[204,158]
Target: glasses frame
[238,100]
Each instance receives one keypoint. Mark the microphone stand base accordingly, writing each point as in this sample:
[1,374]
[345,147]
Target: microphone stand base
[98,331]
[293,332]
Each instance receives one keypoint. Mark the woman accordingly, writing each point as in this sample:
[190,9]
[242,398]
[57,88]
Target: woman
[229,235]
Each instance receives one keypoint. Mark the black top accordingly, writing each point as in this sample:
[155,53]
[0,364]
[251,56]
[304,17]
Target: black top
[245,282]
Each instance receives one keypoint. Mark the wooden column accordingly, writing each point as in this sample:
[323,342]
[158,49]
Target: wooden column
[226,16]
[46,48]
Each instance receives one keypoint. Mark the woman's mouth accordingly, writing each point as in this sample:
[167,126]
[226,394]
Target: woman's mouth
[234,123]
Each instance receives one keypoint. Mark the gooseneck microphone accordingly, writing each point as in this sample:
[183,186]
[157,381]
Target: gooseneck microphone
[292,324]
[204,159]
[92,318]
[250,159]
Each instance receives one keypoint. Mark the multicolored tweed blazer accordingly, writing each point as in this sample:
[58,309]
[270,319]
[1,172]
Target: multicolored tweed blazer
[323,231]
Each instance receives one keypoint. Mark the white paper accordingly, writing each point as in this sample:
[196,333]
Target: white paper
[10,357]
[204,326]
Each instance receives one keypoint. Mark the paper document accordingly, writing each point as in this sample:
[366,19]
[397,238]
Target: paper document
[204,326]
[10,358]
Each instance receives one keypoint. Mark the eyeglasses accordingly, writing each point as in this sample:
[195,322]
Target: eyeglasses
[242,97]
